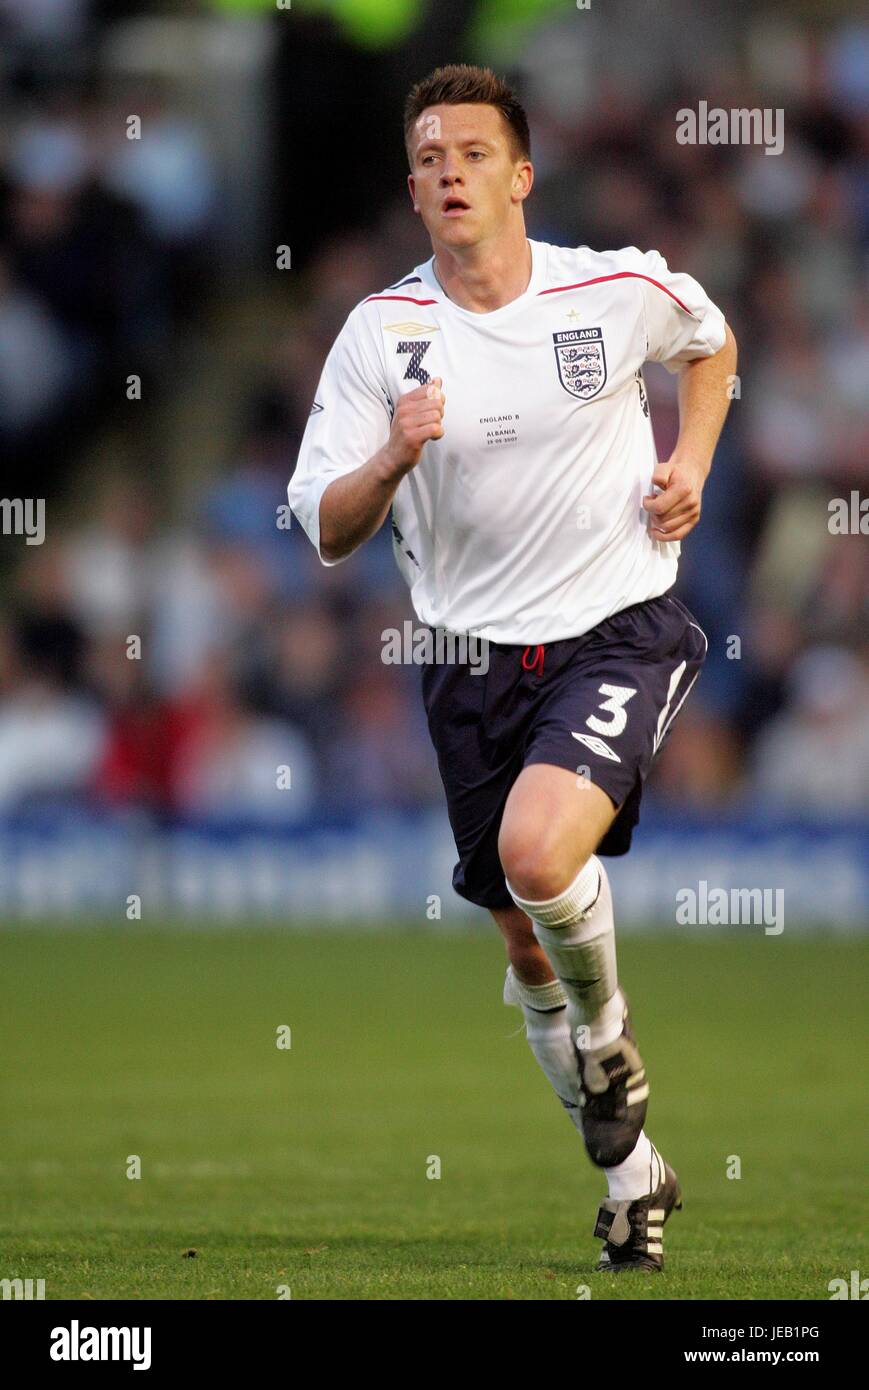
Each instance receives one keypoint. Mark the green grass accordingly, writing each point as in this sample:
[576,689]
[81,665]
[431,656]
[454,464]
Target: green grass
[307,1167]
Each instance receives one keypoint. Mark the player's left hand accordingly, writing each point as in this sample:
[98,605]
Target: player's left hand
[675,510]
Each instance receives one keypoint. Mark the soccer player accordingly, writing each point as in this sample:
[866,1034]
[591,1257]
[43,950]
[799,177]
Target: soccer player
[493,399]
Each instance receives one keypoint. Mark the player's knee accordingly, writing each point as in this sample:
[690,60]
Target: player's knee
[537,866]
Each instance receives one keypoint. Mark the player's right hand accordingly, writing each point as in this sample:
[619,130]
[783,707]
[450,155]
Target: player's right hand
[418,417]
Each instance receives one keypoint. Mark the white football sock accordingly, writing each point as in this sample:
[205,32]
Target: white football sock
[547,1028]
[577,932]
[639,1174]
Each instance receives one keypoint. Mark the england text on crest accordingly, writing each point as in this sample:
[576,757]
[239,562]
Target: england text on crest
[581,360]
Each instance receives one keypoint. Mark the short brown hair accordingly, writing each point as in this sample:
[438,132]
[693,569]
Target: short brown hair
[459,83]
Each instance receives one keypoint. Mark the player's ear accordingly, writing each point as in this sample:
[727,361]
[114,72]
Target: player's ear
[523,178]
[411,184]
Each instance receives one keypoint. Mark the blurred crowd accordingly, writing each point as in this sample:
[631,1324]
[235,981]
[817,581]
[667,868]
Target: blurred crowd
[100,260]
[197,659]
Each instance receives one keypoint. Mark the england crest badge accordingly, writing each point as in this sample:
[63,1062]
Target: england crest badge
[581,360]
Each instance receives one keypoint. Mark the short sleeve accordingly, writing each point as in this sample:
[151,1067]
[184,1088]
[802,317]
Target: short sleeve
[350,420]
[682,322]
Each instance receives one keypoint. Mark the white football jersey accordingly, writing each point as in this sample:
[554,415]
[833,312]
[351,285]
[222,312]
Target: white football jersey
[524,523]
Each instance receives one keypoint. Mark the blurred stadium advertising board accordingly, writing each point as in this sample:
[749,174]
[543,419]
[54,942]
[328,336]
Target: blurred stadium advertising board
[382,870]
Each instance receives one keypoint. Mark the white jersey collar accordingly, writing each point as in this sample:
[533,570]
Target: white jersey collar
[539,250]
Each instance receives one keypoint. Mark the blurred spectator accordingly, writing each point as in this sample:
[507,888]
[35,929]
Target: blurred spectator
[166,170]
[230,762]
[814,756]
[109,562]
[51,732]
[50,744]
[36,366]
[48,21]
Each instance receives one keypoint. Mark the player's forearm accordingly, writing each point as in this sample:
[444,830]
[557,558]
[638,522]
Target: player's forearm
[704,400]
[355,506]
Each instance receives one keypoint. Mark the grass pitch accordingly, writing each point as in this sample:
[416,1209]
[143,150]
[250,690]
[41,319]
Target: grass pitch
[304,1169]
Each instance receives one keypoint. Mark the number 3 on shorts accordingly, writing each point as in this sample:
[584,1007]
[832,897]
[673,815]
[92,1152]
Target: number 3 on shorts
[614,705]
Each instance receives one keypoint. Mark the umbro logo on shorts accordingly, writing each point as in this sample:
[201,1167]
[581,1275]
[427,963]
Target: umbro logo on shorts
[598,746]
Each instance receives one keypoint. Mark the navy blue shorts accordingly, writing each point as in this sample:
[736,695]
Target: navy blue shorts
[599,705]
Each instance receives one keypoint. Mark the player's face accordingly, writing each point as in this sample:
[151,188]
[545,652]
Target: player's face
[466,179]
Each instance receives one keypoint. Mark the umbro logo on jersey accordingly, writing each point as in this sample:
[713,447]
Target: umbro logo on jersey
[598,746]
[581,361]
[316,407]
[411,330]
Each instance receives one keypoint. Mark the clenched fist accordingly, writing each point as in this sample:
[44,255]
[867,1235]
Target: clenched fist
[675,510]
[418,417]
